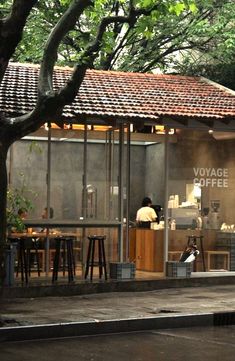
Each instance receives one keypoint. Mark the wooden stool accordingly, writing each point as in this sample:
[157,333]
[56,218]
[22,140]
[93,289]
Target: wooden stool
[67,256]
[225,254]
[101,262]
[194,240]
[27,247]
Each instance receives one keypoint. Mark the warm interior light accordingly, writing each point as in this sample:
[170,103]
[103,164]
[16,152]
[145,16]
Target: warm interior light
[160,129]
[78,127]
[102,128]
[157,129]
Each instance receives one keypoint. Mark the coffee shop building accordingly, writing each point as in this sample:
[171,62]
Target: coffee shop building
[127,136]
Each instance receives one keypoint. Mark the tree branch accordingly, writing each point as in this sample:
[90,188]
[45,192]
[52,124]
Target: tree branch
[64,25]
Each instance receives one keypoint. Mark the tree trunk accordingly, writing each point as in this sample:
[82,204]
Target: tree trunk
[11,30]
[3,203]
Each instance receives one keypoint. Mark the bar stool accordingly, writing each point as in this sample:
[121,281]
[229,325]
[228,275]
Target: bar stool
[66,245]
[101,262]
[21,258]
[22,261]
[25,247]
[194,240]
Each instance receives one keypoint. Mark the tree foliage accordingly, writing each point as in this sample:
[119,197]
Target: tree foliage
[154,39]
[215,60]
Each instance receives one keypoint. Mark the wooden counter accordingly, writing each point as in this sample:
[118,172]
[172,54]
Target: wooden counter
[149,250]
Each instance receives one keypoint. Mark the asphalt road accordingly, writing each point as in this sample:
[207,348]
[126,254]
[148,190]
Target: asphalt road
[191,344]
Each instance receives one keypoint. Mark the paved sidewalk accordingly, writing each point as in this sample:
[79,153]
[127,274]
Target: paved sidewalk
[115,306]
[91,314]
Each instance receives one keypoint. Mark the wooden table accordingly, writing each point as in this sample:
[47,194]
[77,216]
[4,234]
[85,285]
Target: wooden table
[17,235]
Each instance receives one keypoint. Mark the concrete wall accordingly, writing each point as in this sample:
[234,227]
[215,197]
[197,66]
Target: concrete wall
[67,176]
[154,183]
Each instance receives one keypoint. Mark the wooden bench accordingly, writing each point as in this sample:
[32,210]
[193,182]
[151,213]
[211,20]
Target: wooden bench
[224,254]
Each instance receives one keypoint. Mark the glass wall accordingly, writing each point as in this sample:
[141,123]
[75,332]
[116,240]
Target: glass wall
[201,178]
[87,175]
[201,192]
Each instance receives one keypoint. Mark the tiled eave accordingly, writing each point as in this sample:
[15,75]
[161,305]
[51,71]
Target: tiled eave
[108,96]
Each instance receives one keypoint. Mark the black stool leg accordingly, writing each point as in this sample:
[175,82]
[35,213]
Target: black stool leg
[69,261]
[37,259]
[88,259]
[195,262]
[100,259]
[104,260]
[56,261]
[21,259]
[92,258]
[25,261]
[28,254]
[64,255]
[73,258]
[203,256]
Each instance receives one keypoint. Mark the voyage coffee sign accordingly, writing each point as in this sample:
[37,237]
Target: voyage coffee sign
[211,177]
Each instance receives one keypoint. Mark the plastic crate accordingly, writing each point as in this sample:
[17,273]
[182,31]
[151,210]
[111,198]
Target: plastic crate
[121,270]
[178,269]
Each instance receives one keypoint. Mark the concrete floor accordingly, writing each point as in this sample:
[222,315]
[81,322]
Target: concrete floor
[196,344]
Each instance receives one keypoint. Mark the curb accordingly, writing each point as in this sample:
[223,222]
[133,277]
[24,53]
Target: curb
[72,289]
[75,329]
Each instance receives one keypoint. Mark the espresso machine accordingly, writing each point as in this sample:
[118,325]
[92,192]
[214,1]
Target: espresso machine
[214,214]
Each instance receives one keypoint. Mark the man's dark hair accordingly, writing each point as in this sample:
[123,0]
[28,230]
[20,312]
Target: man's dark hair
[146,201]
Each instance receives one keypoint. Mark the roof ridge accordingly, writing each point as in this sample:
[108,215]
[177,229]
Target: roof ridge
[113,72]
[32,65]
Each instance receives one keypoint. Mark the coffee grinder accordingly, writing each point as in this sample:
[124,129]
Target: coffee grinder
[205,218]
[214,216]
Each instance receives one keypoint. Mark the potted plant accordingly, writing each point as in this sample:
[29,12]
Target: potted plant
[17,199]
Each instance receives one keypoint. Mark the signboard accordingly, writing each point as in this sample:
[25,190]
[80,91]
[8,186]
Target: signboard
[211,177]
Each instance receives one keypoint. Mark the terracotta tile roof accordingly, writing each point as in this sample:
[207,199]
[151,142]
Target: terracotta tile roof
[135,96]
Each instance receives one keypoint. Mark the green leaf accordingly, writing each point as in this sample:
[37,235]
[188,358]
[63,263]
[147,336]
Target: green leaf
[193,7]
[178,8]
[147,3]
[148,34]
[65,2]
